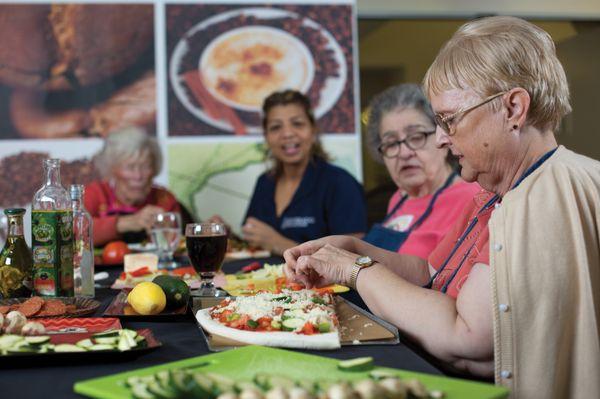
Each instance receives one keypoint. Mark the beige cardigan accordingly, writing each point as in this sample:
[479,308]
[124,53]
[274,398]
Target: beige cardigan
[545,260]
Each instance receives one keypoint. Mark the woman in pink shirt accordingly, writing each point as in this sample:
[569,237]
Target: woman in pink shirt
[430,193]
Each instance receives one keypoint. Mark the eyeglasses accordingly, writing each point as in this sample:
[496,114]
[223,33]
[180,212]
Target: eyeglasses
[445,121]
[415,141]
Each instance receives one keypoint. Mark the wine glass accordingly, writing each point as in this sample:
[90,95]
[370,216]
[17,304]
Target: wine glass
[206,245]
[166,233]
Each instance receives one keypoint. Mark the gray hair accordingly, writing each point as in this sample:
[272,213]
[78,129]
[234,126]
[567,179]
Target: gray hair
[123,144]
[407,95]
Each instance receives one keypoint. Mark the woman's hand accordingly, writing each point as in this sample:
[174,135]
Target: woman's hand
[262,235]
[310,247]
[141,220]
[318,267]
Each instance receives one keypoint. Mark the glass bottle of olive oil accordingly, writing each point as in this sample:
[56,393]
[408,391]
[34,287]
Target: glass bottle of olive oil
[52,235]
[15,259]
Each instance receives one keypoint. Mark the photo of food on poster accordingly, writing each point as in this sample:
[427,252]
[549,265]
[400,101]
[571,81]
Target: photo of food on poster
[75,70]
[71,74]
[223,60]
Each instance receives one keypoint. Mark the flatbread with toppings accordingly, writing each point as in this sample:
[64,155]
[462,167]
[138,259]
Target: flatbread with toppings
[290,319]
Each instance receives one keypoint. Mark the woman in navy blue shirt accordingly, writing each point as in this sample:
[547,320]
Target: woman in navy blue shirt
[302,197]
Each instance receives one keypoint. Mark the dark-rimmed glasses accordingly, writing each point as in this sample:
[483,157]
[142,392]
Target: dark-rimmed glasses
[414,141]
[445,121]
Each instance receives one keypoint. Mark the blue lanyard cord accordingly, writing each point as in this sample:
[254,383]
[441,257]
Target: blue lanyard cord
[473,223]
[462,238]
[429,207]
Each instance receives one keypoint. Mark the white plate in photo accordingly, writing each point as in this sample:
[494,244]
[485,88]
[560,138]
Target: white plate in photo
[219,74]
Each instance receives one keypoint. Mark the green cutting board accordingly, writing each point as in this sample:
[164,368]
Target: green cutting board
[243,363]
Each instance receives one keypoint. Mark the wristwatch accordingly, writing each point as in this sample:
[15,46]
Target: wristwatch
[361,262]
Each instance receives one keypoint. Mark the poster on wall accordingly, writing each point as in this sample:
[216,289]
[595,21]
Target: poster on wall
[194,74]
[224,59]
[71,74]
[216,178]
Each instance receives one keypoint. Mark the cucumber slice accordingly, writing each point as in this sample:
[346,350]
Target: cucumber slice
[9,340]
[85,343]
[324,327]
[279,381]
[202,386]
[68,348]
[123,344]
[379,374]
[292,324]
[181,381]
[129,336]
[139,380]
[222,383]
[109,333]
[101,347]
[107,340]
[23,349]
[38,340]
[141,392]
[275,325]
[160,391]
[358,364]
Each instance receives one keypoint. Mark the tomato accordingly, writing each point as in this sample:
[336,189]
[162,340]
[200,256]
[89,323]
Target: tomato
[114,252]
[309,329]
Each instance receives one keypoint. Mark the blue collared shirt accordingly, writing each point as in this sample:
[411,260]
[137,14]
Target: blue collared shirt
[328,201]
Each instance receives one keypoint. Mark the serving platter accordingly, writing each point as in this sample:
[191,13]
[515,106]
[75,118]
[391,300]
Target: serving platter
[245,363]
[120,308]
[73,338]
[82,306]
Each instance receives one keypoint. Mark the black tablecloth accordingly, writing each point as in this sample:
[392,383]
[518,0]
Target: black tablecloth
[181,338]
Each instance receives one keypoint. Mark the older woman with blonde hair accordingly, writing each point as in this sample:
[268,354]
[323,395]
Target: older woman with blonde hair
[125,203]
[512,290]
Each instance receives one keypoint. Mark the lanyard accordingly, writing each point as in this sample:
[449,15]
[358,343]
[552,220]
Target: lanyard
[429,207]
[473,223]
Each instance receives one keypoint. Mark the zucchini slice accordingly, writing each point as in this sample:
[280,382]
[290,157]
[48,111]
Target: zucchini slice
[68,348]
[358,364]
[38,340]
[292,324]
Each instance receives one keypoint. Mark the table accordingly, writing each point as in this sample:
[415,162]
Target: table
[180,339]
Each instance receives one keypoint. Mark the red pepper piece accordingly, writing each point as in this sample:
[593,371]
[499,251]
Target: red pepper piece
[142,271]
[251,267]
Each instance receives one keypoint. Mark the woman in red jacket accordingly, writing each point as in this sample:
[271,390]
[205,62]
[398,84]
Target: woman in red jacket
[125,203]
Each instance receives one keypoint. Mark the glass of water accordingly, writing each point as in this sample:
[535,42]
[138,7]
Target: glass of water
[166,233]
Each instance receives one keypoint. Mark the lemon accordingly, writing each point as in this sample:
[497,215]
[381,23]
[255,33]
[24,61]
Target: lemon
[147,298]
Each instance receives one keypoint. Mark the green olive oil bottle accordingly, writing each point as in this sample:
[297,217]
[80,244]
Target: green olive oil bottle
[15,259]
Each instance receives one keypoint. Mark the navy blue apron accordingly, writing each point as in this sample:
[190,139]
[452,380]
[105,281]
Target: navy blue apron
[471,225]
[392,240]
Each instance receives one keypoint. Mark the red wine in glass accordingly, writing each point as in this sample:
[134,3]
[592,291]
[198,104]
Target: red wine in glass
[206,252]
[206,245]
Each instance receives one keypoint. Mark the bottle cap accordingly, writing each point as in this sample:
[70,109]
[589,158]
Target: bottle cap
[14,211]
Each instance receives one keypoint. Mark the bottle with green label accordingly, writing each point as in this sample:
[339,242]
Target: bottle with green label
[15,259]
[52,235]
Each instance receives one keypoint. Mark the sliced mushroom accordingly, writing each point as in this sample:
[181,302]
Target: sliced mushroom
[33,328]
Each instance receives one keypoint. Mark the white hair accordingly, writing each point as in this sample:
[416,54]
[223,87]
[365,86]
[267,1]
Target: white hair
[124,144]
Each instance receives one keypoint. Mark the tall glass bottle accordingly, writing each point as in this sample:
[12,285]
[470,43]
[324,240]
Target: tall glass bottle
[15,259]
[83,247]
[52,235]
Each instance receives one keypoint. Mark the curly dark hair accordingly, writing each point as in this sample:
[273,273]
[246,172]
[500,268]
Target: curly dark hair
[287,97]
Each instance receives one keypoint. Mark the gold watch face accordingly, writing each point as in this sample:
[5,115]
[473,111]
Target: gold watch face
[364,261]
